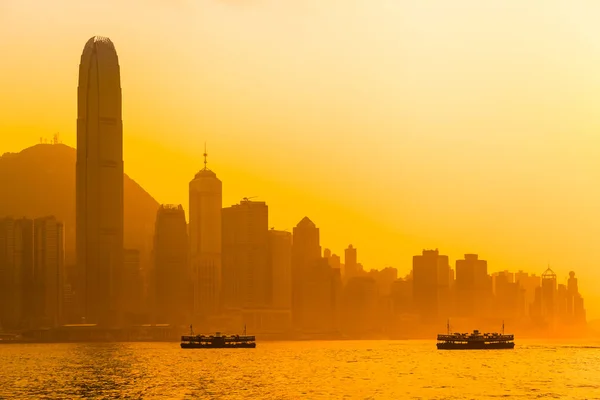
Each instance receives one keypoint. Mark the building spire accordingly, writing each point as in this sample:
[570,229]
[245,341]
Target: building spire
[205,156]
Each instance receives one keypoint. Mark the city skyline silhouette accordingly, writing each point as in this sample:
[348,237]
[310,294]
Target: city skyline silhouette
[496,263]
[288,199]
[412,120]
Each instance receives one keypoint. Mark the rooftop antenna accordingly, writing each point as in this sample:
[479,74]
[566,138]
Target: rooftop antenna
[205,156]
[503,327]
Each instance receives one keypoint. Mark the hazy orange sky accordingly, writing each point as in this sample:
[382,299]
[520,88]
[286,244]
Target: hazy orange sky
[394,125]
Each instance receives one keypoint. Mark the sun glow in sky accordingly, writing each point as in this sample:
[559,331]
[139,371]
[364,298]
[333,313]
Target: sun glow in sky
[469,126]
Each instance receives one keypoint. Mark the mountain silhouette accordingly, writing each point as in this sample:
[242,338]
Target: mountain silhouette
[40,181]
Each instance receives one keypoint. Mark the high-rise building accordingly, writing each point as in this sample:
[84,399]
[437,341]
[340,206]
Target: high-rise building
[99,183]
[171,278]
[431,280]
[16,273]
[306,255]
[350,263]
[247,279]
[473,287]
[548,296]
[205,192]
[575,307]
[49,271]
[280,258]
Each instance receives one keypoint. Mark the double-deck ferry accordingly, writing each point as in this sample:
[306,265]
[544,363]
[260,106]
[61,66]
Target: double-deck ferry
[217,341]
[475,341]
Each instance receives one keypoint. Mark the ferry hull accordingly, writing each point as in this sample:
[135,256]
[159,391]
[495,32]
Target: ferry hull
[475,346]
[218,346]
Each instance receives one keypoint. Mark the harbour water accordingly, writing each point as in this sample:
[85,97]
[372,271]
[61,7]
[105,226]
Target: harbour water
[300,370]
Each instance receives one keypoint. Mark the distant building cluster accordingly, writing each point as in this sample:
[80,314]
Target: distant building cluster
[227,269]
[468,294]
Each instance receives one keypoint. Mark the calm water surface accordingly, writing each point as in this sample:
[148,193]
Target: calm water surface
[299,370]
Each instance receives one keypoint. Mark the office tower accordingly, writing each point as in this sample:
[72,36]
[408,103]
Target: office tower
[431,276]
[133,287]
[99,183]
[49,271]
[16,273]
[350,263]
[473,287]
[247,279]
[575,300]
[280,259]
[548,295]
[205,192]
[306,253]
[561,303]
[171,276]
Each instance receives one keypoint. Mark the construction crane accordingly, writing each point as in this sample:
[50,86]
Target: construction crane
[248,198]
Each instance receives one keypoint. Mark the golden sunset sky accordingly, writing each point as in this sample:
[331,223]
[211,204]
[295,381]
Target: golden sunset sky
[469,126]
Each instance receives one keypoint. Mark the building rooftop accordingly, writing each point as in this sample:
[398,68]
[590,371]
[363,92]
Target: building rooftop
[100,41]
[306,223]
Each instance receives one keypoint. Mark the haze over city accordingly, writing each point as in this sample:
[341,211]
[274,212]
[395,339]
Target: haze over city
[446,130]
[325,185]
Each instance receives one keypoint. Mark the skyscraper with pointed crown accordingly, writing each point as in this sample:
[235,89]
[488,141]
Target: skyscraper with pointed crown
[206,198]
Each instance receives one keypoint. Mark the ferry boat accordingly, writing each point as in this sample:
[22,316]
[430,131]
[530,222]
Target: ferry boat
[217,341]
[475,341]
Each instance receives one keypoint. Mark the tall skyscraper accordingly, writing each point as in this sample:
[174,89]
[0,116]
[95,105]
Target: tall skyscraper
[280,257]
[171,278]
[306,255]
[49,271]
[247,277]
[99,183]
[205,240]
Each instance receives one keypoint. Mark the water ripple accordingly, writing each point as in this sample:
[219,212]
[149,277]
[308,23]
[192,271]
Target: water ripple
[298,370]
